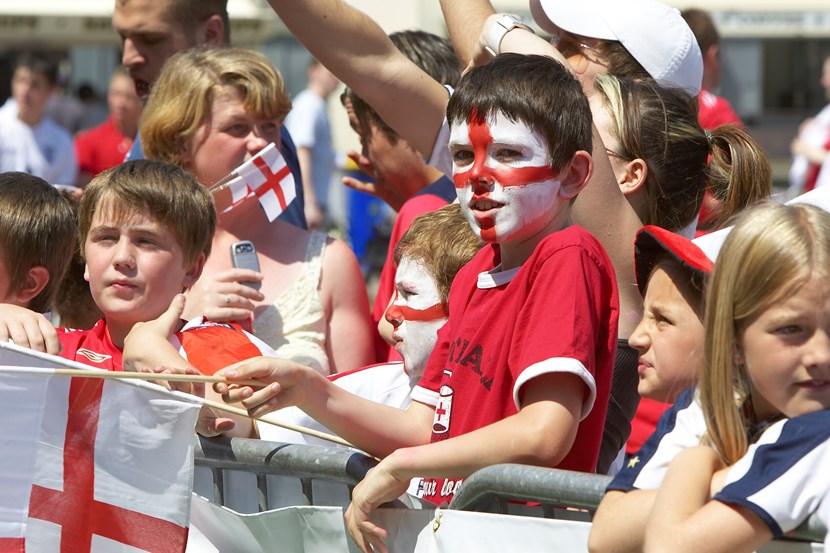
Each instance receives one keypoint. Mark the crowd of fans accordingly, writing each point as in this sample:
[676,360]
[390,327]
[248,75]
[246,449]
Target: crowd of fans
[556,313]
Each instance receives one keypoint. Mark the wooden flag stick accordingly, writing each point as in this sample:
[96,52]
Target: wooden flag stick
[269,420]
[126,375]
[170,377]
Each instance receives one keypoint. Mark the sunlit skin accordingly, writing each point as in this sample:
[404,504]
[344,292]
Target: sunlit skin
[786,350]
[228,137]
[149,35]
[134,265]
[669,337]
[507,190]
[416,314]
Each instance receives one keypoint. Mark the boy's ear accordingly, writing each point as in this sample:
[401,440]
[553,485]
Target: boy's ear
[36,280]
[213,31]
[574,176]
[633,177]
[195,271]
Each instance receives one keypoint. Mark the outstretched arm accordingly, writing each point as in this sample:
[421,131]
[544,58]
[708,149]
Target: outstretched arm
[353,47]
[540,434]
[373,427]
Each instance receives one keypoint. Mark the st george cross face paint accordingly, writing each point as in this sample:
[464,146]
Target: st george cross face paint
[416,313]
[503,178]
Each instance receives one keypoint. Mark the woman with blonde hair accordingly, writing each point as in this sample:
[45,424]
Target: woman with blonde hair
[765,391]
[211,110]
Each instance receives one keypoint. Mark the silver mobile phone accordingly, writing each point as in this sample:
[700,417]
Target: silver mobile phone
[243,256]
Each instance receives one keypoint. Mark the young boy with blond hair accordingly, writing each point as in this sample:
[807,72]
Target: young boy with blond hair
[522,369]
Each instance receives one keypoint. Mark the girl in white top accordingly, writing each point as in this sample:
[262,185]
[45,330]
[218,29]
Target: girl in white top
[767,358]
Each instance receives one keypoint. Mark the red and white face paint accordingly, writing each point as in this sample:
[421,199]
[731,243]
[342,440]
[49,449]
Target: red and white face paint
[416,313]
[506,187]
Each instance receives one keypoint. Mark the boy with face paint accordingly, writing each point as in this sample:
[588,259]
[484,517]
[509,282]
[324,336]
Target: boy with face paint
[521,371]
[417,312]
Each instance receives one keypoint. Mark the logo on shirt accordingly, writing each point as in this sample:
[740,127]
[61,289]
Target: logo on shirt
[93,356]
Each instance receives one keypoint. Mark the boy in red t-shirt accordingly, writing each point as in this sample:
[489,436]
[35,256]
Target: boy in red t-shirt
[522,369]
[146,229]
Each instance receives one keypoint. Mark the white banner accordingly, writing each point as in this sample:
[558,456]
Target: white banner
[91,464]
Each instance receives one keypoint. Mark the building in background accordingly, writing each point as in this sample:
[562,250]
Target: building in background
[772,50]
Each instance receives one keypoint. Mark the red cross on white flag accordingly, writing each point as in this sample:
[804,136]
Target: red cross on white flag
[266,176]
[91,465]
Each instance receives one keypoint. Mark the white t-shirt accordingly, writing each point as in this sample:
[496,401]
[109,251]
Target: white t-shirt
[44,150]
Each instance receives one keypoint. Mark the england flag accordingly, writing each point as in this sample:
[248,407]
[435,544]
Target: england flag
[91,464]
[267,177]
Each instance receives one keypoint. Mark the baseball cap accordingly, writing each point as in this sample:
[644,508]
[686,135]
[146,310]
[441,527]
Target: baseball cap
[655,34]
[655,243]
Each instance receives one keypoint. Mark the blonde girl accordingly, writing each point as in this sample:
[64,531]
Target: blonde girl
[765,390]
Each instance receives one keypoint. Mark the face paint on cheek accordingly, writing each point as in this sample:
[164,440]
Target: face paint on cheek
[432,313]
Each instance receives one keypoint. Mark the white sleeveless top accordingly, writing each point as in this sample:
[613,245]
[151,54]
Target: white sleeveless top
[295,324]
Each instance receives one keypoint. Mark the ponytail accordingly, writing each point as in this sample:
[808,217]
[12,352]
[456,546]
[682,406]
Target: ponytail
[739,173]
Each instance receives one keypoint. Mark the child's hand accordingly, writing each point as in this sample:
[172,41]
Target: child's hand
[223,297]
[28,329]
[147,339]
[284,384]
[379,486]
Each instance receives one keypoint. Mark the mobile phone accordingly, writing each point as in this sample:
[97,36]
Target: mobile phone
[243,256]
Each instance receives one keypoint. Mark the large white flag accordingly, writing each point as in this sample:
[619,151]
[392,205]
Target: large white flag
[91,464]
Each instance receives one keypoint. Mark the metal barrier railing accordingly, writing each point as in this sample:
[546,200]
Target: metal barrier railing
[262,458]
[499,484]
[489,489]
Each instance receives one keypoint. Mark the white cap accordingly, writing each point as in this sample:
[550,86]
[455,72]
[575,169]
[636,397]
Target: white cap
[655,34]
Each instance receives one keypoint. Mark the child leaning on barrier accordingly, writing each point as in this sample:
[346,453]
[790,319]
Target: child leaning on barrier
[521,371]
[670,272]
[416,313]
[145,231]
[37,238]
[765,391]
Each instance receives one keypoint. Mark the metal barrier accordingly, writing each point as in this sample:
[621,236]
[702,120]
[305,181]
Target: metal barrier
[499,484]
[489,489]
[262,458]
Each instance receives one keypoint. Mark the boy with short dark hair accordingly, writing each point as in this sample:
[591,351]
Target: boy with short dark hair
[522,369]
[37,238]
[29,140]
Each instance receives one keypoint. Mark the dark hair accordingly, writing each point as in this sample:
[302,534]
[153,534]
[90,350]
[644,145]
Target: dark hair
[660,126]
[701,24]
[536,90]
[37,227]
[39,62]
[432,53]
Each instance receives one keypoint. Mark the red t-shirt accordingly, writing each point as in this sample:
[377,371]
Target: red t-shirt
[207,346]
[101,147]
[556,313]
[715,111]
[644,423]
